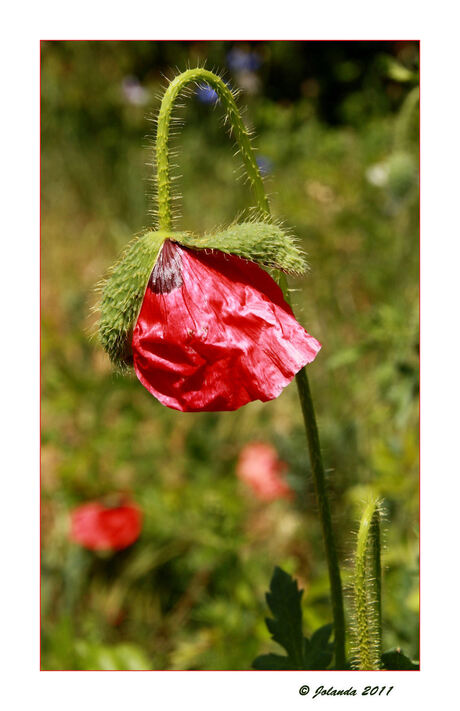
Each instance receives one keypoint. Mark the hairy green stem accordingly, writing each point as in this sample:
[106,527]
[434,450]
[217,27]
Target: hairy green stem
[242,139]
[237,128]
[368,590]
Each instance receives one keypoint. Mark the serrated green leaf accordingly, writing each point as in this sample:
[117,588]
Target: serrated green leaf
[284,601]
[396,660]
[286,627]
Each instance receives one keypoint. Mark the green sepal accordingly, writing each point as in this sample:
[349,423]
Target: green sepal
[260,242]
[124,289]
[122,295]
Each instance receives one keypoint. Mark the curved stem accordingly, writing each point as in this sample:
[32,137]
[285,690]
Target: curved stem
[241,136]
[237,128]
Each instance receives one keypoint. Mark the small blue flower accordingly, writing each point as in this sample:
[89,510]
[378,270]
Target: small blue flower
[265,165]
[206,95]
[240,60]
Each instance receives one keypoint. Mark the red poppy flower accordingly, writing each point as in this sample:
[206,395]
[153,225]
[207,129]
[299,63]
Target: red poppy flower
[261,469]
[214,332]
[100,528]
[203,324]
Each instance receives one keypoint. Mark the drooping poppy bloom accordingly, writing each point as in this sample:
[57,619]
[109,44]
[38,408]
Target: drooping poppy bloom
[215,333]
[206,329]
[101,528]
[260,467]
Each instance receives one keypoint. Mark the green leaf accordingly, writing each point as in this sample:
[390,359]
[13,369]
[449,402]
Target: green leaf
[396,660]
[284,601]
[286,627]
[321,637]
[318,651]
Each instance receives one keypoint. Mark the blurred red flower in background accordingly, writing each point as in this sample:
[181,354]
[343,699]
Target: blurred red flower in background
[260,468]
[102,528]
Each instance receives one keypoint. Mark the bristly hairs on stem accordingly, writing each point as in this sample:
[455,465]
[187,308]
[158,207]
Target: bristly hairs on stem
[182,85]
[250,214]
[366,628]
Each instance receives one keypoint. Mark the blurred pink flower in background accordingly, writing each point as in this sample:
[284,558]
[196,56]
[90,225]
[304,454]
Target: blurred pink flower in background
[102,528]
[261,469]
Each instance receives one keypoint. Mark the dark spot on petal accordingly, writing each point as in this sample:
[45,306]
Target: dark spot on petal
[166,274]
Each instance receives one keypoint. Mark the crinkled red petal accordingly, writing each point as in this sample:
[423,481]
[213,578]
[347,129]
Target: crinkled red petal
[214,332]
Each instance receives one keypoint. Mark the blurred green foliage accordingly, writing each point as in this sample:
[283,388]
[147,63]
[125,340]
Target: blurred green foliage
[189,594]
